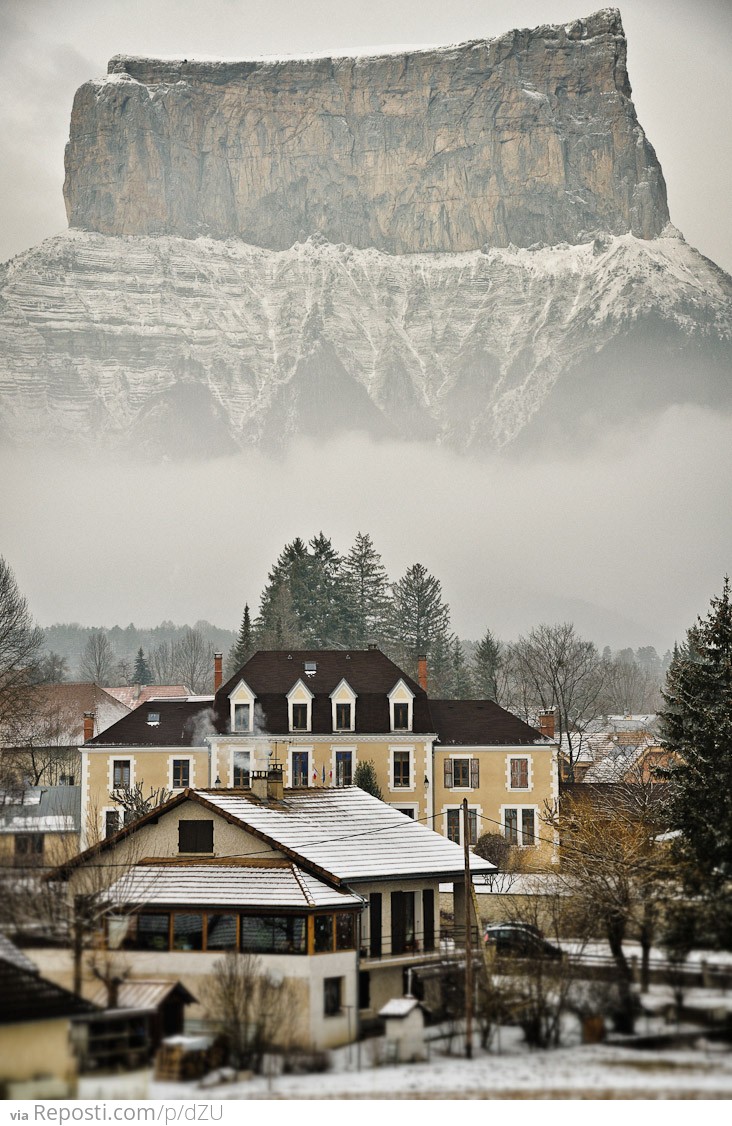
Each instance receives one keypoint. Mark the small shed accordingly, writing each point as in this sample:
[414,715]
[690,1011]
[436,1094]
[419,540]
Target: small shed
[404,1018]
[161,1002]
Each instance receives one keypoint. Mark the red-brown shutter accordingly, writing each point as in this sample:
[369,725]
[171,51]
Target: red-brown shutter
[474,773]
[448,773]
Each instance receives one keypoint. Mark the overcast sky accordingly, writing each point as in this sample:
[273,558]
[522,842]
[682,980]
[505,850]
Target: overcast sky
[633,532]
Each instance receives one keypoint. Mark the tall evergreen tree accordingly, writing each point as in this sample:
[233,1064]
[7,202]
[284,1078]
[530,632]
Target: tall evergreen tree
[365,778]
[368,594]
[141,673]
[325,614]
[697,727]
[420,620]
[243,647]
[486,663]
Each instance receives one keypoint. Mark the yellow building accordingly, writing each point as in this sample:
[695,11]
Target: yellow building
[318,715]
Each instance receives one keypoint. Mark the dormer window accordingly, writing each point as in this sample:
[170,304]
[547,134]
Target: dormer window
[153,718]
[299,717]
[310,668]
[401,713]
[401,717]
[343,707]
[241,704]
[242,717]
[300,707]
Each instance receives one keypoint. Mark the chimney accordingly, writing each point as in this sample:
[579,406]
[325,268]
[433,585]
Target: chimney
[218,671]
[88,726]
[275,784]
[258,784]
[422,671]
[546,723]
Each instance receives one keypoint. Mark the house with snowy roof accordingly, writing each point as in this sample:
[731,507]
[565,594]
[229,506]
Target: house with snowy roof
[334,892]
[318,714]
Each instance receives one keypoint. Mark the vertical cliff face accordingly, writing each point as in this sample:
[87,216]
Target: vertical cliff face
[528,138]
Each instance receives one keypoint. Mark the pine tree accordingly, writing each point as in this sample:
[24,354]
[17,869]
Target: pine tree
[243,647]
[697,727]
[368,594]
[486,664]
[141,674]
[365,778]
[420,619]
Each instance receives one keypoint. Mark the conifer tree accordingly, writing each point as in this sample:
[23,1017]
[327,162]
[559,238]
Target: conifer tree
[420,620]
[365,778]
[141,674]
[243,647]
[697,727]
[486,663]
[368,594]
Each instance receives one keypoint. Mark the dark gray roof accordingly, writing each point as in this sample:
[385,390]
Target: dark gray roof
[42,809]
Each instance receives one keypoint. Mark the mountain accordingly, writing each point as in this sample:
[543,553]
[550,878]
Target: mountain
[468,245]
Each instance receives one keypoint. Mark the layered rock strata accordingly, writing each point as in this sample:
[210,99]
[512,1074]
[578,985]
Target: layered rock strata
[528,138]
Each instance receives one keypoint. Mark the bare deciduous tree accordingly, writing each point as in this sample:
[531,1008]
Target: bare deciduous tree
[20,645]
[98,659]
[249,1006]
[553,668]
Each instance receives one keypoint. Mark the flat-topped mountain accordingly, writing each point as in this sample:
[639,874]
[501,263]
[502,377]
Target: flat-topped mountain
[528,138]
[468,246]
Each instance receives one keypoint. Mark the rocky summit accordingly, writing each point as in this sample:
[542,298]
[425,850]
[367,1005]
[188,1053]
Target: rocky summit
[529,138]
[468,246]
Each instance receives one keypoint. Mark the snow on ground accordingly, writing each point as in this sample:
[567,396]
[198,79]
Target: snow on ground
[508,1071]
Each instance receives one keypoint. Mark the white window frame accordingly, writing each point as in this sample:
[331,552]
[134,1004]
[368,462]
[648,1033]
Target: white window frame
[343,694]
[300,694]
[191,771]
[247,749]
[519,830]
[412,769]
[120,757]
[290,772]
[401,694]
[476,809]
[344,748]
[530,774]
[242,694]
[413,805]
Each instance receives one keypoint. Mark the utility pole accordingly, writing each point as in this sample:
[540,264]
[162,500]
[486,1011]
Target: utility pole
[468,943]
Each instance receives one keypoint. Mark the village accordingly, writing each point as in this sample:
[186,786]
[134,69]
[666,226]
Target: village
[320,868]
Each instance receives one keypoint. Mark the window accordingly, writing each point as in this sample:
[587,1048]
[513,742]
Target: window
[241,717]
[462,773]
[344,767]
[221,932]
[519,774]
[332,992]
[407,810]
[240,771]
[343,717]
[300,767]
[28,848]
[401,760]
[345,928]
[528,833]
[111,822]
[272,934]
[401,717]
[195,836]
[153,718]
[188,932]
[402,922]
[299,717]
[148,932]
[454,826]
[520,826]
[181,773]
[121,774]
[323,931]
[66,780]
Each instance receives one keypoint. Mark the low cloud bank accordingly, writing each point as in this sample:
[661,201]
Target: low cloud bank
[630,541]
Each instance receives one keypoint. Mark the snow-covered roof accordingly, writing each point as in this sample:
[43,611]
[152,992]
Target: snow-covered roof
[399,1007]
[262,884]
[348,833]
[43,809]
[147,994]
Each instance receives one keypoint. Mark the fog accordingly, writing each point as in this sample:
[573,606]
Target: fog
[630,542]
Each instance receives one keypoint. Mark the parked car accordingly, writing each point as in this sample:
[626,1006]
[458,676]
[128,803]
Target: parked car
[519,940]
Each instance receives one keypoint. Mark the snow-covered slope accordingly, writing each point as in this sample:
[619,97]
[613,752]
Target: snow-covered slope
[198,346]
